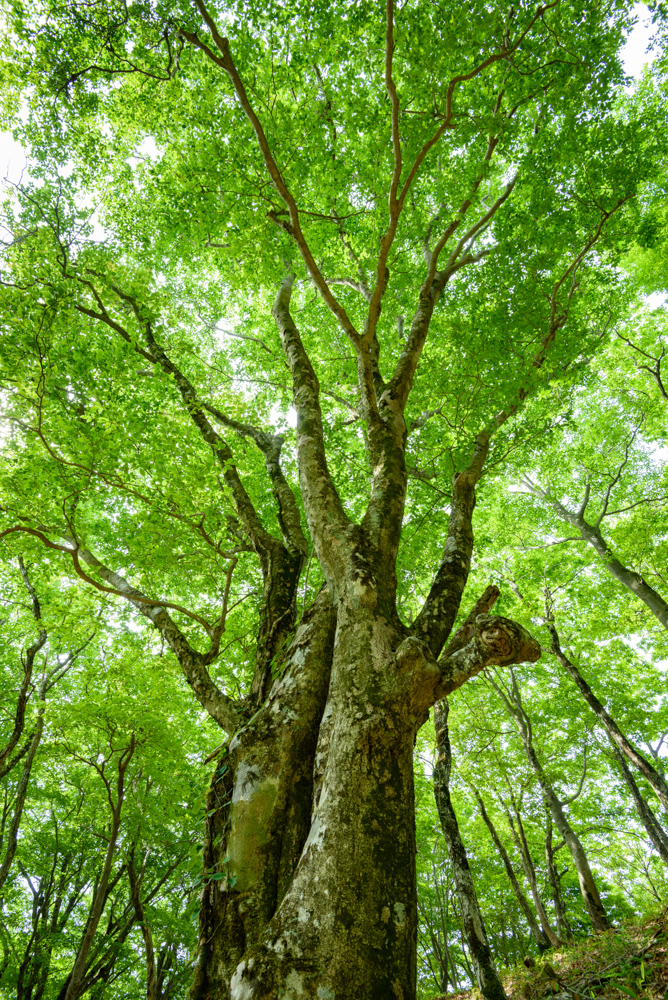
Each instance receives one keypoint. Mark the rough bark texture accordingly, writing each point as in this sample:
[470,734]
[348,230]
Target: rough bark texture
[480,952]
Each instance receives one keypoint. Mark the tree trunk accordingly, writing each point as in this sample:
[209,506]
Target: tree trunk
[74,983]
[486,974]
[541,939]
[135,892]
[617,737]
[655,831]
[530,872]
[22,787]
[553,876]
[512,699]
[588,888]
[310,851]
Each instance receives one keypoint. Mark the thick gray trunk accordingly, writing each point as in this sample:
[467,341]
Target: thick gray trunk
[346,927]
[480,952]
[259,806]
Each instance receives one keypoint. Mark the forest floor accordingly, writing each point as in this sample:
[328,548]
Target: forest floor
[630,961]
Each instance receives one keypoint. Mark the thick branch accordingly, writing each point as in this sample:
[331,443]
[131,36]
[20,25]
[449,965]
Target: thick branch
[435,620]
[226,62]
[327,520]
[496,641]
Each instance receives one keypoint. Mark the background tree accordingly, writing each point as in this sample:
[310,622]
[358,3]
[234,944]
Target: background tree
[432,209]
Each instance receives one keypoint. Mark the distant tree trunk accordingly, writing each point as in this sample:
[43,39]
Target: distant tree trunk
[512,699]
[592,535]
[519,836]
[75,978]
[6,764]
[553,876]
[135,893]
[617,737]
[539,936]
[480,952]
[22,787]
[655,831]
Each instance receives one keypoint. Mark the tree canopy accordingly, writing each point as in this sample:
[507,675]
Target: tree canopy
[321,327]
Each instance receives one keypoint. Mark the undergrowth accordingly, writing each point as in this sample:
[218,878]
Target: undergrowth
[629,962]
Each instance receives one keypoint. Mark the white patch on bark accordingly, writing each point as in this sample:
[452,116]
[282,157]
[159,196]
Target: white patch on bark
[316,834]
[399,914]
[294,984]
[325,993]
[278,945]
[248,779]
[450,546]
[241,988]
[303,915]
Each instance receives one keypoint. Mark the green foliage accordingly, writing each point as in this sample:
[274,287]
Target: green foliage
[147,202]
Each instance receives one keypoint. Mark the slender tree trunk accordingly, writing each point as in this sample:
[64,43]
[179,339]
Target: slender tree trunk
[591,533]
[655,831]
[76,976]
[617,737]
[553,876]
[480,952]
[22,788]
[151,980]
[512,699]
[588,887]
[530,872]
[539,936]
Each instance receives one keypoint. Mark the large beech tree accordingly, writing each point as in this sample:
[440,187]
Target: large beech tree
[403,224]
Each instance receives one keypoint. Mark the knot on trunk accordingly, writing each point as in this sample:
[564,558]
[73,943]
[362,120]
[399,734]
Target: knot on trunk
[506,641]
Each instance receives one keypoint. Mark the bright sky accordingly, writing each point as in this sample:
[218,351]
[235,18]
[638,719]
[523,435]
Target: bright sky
[635,55]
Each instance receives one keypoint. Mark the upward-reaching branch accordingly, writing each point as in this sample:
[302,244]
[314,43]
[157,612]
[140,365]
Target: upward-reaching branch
[435,620]
[294,228]
[592,534]
[328,523]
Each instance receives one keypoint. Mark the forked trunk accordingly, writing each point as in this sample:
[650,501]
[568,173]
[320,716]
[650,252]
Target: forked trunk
[310,857]
[318,897]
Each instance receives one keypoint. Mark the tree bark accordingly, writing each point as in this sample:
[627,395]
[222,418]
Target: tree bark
[591,533]
[522,845]
[135,893]
[553,875]
[22,787]
[486,974]
[539,936]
